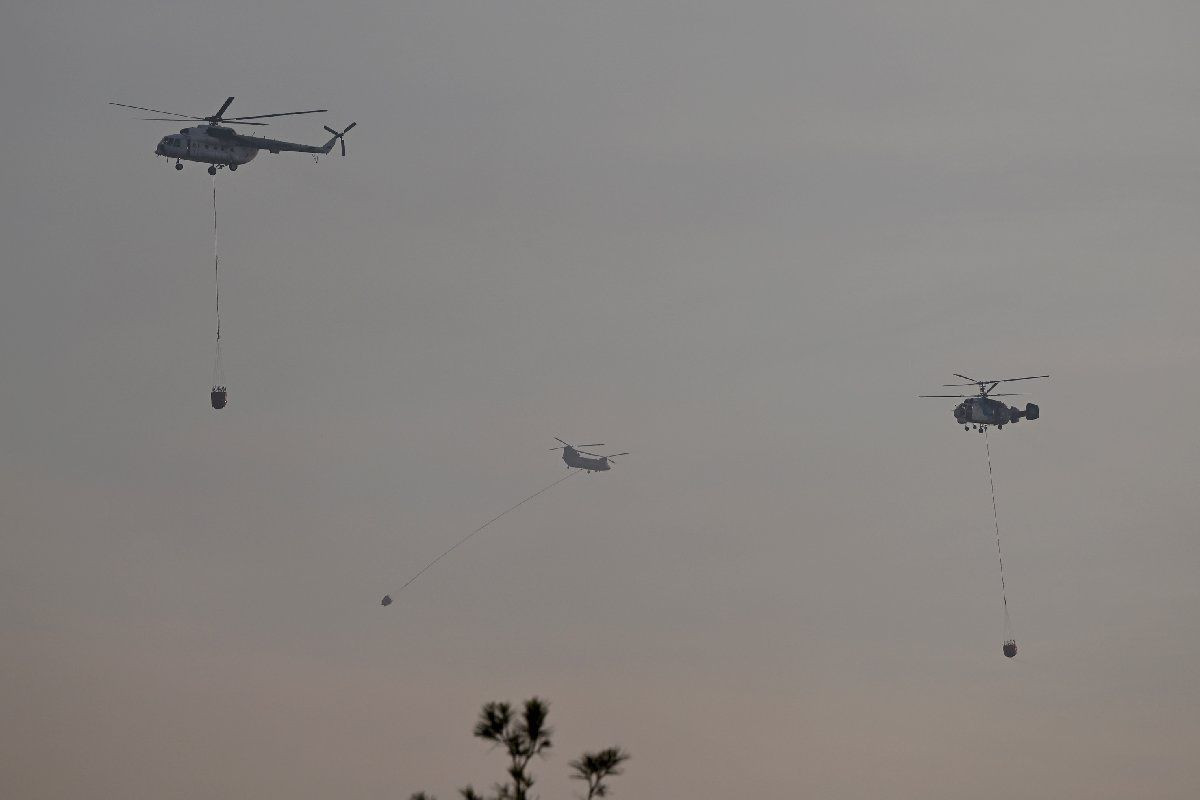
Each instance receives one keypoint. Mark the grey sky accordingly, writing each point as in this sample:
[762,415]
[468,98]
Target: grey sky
[735,239]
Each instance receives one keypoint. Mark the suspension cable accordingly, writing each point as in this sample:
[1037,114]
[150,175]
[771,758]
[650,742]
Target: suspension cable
[464,539]
[218,371]
[996,522]
[216,262]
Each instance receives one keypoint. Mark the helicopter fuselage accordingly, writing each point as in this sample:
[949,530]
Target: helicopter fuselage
[225,147]
[202,143]
[572,458]
[988,411]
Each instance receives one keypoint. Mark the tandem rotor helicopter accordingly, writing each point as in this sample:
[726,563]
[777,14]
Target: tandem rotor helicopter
[220,146]
[573,456]
[980,410]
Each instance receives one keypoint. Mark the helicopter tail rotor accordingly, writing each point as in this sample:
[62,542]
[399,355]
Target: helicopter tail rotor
[338,137]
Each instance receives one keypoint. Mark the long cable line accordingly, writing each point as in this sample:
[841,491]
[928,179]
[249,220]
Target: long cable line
[996,521]
[216,263]
[219,393]
[387,599]
[217,371]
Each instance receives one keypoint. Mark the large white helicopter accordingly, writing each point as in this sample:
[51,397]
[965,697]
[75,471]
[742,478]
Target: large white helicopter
[220,146]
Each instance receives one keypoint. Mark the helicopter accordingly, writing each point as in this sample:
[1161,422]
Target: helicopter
[980,410]
[220,146]
[573,456]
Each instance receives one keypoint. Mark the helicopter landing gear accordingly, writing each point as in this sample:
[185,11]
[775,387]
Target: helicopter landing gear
[178,165]
[212,170]
[233,167]
[966,427]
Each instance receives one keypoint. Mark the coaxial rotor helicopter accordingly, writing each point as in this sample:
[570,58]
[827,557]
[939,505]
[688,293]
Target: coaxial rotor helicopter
[980,410]
[220,146]
[573,456]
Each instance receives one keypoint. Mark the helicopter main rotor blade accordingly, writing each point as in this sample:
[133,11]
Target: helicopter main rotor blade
[283,114]
[198,119]
[567,444]
[946,395]
[221,111]
[155,110]
[614,455]
[994,380]
[965,378]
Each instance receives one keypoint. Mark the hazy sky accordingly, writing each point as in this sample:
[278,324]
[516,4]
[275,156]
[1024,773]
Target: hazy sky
[737,239]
